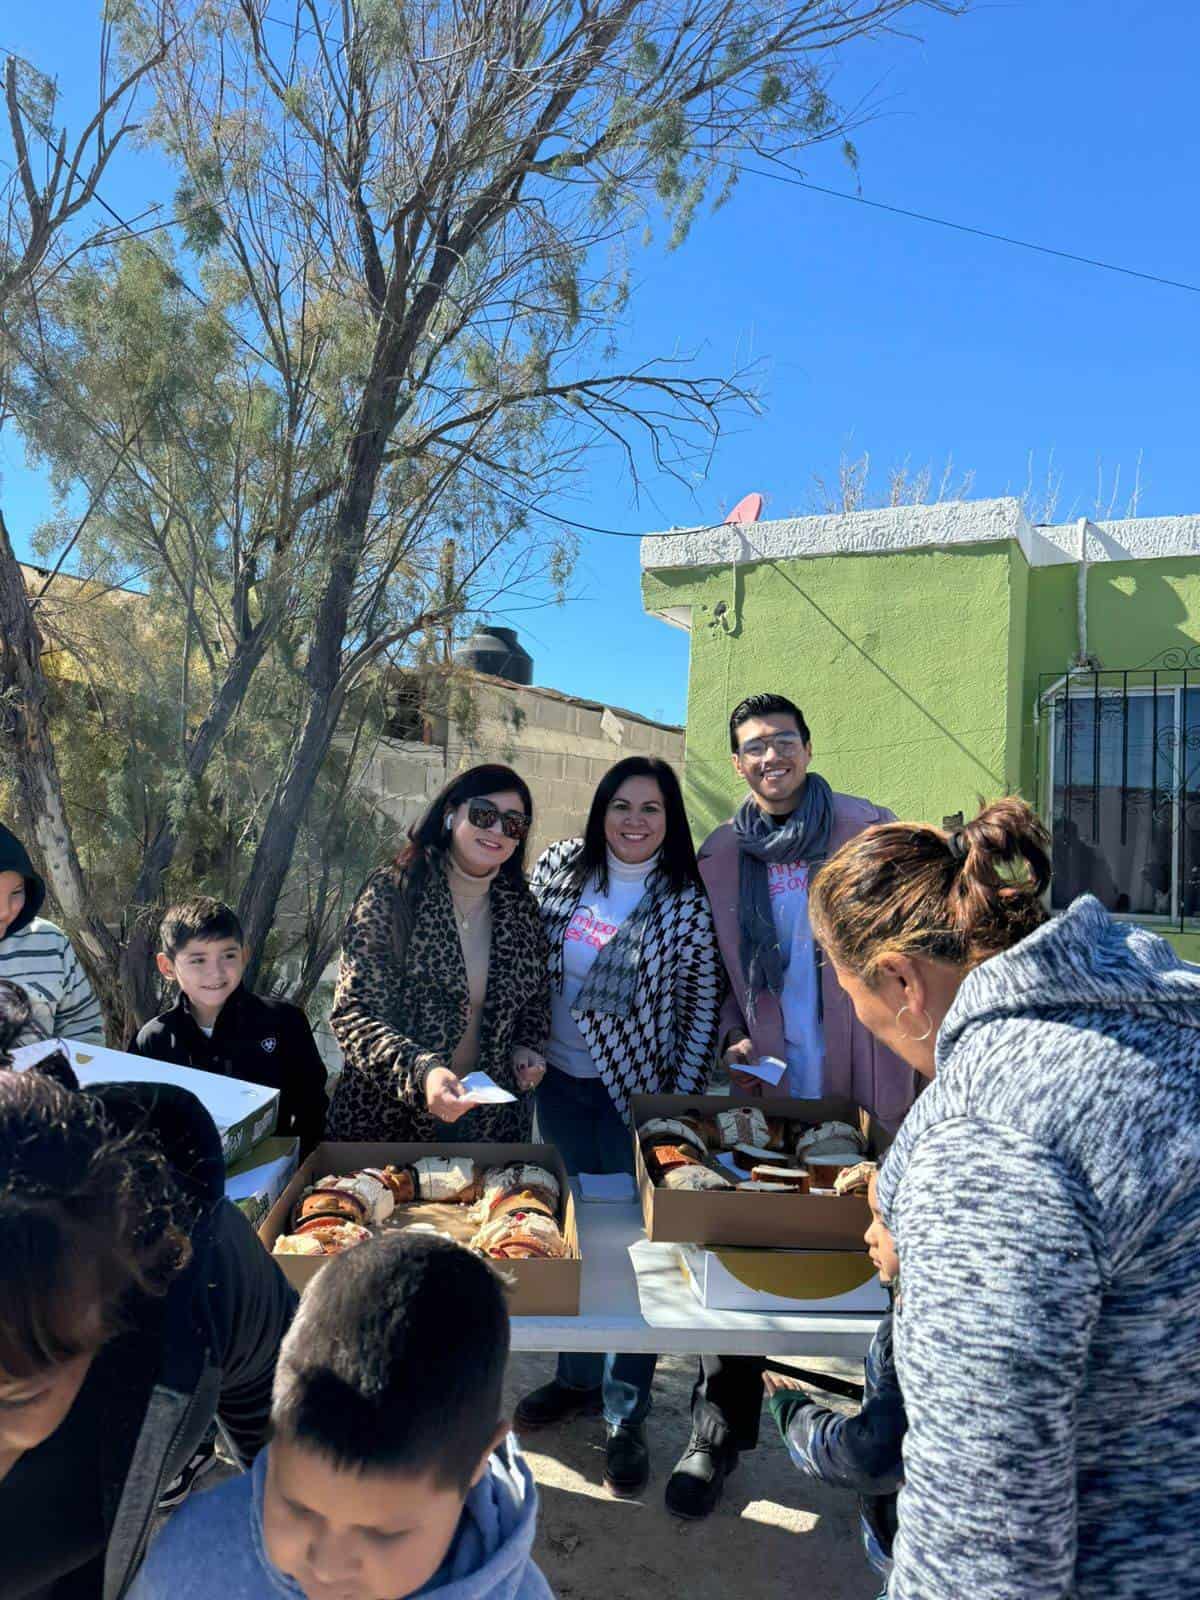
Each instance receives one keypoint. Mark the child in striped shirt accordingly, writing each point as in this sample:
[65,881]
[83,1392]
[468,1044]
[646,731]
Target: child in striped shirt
[38,956]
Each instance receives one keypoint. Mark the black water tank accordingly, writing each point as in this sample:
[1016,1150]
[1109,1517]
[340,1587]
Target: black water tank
[497,652]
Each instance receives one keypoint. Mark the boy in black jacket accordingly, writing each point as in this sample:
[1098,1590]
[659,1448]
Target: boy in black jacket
[219,1026]
[862,1452]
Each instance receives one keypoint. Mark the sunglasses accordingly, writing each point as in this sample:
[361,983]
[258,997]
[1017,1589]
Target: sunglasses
[482,814]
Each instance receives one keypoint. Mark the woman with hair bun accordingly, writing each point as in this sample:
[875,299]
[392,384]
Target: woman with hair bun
[1044,1193]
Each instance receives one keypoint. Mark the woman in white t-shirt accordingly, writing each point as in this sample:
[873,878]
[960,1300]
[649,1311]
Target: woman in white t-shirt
[636,986]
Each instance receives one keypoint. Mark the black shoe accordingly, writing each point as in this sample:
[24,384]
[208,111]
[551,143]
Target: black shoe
[554,1402]
[694,1488]
[202,1462]
[626,1459]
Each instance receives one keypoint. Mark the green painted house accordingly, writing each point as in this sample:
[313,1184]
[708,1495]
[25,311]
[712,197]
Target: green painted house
[946,652]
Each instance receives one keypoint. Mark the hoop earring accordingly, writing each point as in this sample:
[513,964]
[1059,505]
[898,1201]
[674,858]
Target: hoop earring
[914,1038]
[449,822]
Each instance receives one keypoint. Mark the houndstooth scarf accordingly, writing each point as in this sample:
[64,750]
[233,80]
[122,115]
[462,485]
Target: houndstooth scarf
[612,984]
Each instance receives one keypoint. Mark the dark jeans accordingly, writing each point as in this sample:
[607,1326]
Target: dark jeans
[464,1131]
[727,1400]
[577,1116]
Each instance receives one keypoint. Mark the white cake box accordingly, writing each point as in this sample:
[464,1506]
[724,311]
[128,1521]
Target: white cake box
[245,1113]
[256,1181]
[782,1280]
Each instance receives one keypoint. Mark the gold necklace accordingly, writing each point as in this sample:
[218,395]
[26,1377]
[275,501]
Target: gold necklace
[467,918]
[464,918]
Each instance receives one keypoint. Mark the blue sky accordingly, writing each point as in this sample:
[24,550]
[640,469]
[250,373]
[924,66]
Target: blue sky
[1059,121]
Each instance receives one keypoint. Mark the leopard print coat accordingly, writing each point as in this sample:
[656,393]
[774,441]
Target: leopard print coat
[397,1020]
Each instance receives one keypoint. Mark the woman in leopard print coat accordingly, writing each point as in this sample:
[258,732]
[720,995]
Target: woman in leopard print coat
[444,971]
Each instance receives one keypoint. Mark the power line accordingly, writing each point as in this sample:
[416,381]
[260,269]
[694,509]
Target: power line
[537,511]
[833,194]
[980,233]
[534,510]
[584,527]
[588,527]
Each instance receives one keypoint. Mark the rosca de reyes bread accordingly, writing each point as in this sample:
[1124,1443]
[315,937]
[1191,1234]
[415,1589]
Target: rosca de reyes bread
[502,1185]
[672,1129]
[521,1236]
[831,1141]
[661,1158]
[827,1150]
[516,1205]
[329,1236]
[855,1179]
[694,1176]
[449,1179]
[750,1125]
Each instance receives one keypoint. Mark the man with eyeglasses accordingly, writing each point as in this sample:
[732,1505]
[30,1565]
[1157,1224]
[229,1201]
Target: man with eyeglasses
[783,1002]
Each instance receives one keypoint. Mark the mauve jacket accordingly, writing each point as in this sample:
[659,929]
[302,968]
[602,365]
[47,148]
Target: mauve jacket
[856,1065]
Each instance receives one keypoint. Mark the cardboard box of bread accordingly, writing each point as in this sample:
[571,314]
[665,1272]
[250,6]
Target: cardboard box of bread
[511,1202]
[712,1171]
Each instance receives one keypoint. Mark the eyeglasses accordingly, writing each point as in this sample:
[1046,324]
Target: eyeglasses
[483,814]
[784,744]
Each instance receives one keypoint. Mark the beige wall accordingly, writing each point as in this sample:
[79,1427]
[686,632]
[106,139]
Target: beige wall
[561,747]
[403,778]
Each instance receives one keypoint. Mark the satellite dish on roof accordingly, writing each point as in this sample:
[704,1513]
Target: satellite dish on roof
[748,509]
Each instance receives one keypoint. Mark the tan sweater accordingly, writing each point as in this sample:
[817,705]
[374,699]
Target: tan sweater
[473,914]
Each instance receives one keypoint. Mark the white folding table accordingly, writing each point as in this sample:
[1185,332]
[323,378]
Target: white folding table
[653,1310]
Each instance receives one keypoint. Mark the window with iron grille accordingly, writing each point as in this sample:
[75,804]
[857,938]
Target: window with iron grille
[1123,787]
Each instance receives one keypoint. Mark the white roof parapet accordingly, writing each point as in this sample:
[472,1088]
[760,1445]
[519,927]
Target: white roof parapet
[1133,539]
[945,525]
[880,532]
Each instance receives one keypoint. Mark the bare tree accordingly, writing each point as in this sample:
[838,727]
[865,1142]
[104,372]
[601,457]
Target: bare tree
[856,489]
[39,211]
[414,228]
[437,192]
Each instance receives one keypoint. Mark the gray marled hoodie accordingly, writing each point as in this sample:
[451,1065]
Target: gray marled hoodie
[1045,1197]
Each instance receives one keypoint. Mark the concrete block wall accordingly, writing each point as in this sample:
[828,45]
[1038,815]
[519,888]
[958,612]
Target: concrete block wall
[560,747]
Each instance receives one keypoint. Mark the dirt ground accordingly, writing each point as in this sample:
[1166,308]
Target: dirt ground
[772,1532]
[775,1533]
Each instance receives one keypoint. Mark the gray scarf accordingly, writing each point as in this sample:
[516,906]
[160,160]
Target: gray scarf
[803,837]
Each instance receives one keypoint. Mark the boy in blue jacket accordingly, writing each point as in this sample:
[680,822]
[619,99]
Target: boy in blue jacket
[389,1471]
[862,1452]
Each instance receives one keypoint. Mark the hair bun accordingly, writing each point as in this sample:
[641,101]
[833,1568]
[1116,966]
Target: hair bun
[960,895]
[1005,868]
